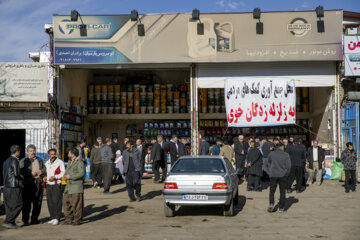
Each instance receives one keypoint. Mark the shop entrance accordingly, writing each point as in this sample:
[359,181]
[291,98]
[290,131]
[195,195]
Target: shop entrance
[9,137]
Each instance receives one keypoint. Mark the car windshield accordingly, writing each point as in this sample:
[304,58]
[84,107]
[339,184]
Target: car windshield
[198,165]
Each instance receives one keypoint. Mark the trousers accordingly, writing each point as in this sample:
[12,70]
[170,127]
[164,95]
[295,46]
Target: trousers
[73,207]
[253,180]
[312,171]
[133,181]
[54,198]
[107,174]
[282,182]
[296,172]
[13,204]
[32,195]
[96,173]
[156,167]
[350,174]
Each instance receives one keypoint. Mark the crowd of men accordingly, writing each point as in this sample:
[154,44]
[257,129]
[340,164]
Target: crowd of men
[277,161]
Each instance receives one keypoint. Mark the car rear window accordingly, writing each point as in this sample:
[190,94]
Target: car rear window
[198,165]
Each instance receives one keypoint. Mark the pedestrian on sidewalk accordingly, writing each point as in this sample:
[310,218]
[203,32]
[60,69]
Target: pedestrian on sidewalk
[158,159]
[95,165]
[297,153]
[348,158]
[12,188]
[227,151]
[107,160]
[204,147]
[119,167]
[33,170]
[132,171]
[55,171]
[278,167]
[315,162]
[73,199]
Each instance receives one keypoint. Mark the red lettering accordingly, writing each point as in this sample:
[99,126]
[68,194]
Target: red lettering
[230,116]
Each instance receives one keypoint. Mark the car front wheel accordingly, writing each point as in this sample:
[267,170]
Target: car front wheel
[169,210]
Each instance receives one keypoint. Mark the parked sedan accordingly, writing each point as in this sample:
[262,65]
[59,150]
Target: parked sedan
[201,180]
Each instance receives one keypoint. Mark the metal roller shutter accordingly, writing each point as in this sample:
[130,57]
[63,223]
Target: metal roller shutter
[306,74]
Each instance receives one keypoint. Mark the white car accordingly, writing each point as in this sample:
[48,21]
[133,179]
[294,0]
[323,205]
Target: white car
[201,180]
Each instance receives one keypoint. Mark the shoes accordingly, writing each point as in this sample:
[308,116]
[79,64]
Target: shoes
[35,222]
[347,191]
[25,224]
[10,225]
[138,198]
[289,191]
[107,193]
[309,184]
[282,210]
[298,191]
[258,190]
[270,208]
[354,190]
[76,223]
[55,222]
[132,200]
[96,184]
[66,222]
[51,221]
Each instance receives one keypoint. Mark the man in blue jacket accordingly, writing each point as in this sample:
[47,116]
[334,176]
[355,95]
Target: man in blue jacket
[215,151]
[132,171]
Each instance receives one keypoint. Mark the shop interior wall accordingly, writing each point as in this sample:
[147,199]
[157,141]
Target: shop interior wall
[321,107]
[105,128]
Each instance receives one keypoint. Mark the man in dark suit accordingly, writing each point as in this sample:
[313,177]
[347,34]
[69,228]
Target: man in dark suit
[157,158]
[141,148]
[240,155]
[182,147]
[204,147]
[174,149]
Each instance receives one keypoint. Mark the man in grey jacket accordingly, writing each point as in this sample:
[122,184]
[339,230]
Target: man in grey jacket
[278,167]
[107,159]
[132,171]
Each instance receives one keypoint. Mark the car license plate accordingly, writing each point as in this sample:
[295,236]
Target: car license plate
[195,197]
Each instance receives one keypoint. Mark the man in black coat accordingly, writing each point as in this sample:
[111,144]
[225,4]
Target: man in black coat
[141,148]
[34,171]
[174,149]
[157,158]
[182,147]
[204,147]
[254,167]
[297,152]
[240,156]
[12,188]
[315,159]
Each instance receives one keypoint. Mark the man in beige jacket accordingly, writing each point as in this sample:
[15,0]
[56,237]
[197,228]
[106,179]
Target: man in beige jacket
[227,151]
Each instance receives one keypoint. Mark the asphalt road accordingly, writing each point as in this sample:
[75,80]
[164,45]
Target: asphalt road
[320,212]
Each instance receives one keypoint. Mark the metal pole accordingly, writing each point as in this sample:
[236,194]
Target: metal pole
[194,111]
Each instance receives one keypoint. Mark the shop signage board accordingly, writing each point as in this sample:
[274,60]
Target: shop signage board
[352,55]
[23,82]
[260,101]
[173,38]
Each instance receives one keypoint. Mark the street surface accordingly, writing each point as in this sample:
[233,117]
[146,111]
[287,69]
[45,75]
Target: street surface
[324,212]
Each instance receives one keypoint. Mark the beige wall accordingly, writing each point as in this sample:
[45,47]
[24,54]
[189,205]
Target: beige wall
[321,112]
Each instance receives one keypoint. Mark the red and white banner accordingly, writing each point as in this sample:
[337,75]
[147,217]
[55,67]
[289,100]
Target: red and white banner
[260,101]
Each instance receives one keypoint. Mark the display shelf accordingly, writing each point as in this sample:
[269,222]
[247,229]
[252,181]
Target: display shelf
[72,113]
[165,116]
[222,116]
[71,141]
[70,122]
[66,129]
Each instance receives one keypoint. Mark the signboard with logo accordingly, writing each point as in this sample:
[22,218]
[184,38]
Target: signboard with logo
[23,82]
[261,101]
[352,55]
[173,38]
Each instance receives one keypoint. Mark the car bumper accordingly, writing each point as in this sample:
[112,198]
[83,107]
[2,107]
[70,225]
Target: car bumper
[176,198]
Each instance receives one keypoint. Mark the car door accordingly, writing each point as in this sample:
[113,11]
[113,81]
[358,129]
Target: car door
[232,174]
